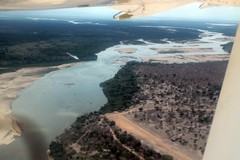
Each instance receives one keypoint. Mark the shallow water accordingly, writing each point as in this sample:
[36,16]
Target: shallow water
[54,101]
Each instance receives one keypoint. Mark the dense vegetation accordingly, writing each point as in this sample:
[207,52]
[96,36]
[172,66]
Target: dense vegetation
[94,137]
[228,47]
[45,43]
[120,89]
[179,100]
[28,42]
[184,98]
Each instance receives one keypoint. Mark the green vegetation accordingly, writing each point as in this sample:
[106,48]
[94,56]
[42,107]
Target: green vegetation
[52,51]
[33,43]
[228,47]
[184,97]
[120,90]
[99,138]
[167,157]
[58,151]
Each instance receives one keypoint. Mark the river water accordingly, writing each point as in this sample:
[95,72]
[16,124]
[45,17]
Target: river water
[53,102]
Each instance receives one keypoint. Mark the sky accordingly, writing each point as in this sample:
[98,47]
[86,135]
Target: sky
[188,12]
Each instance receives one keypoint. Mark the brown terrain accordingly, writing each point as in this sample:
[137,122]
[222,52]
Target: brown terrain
[174,108]
[10,85]
[154,141]
[153,110]
[94,137]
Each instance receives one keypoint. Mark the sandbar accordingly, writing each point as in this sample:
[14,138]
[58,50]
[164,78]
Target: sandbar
[186,58]
[127,50]
[10,85]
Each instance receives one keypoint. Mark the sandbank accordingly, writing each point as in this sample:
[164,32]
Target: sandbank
[185,58]
[126,50]
[10,85]
[182,50]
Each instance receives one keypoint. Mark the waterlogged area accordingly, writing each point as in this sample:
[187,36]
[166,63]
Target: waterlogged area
[53,102]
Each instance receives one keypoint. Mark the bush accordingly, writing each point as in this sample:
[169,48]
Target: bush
[167,157]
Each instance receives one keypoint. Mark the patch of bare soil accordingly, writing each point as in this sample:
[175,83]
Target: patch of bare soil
[174,106]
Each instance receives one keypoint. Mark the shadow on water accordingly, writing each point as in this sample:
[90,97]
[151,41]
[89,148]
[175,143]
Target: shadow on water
[33,139]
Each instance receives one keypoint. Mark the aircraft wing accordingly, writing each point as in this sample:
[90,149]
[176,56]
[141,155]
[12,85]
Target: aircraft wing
[139,8]
[223,141]
[127,8]
[133,8]
[49,4]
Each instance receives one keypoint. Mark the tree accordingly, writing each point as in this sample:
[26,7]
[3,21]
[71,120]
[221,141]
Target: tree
[112,123]
[167,157]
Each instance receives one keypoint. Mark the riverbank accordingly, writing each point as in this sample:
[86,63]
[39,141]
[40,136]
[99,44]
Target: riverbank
[174,106]
[11,84]
[151,89]
[93,136]
[60,97]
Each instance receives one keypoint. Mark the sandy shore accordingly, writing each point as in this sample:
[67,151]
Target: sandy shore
[187,58]
[183,50]
[126,50]
[10,85]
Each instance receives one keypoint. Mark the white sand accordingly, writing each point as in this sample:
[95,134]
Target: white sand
[126,50]
[184,50]
[186,58]
[10,85]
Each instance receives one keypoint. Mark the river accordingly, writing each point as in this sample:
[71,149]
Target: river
[53,102]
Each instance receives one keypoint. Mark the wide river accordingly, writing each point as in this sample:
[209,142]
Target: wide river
[53,102]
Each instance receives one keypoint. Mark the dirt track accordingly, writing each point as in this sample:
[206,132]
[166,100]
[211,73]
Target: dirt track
[149,138]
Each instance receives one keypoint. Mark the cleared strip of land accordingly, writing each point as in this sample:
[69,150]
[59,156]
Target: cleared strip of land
[145,135]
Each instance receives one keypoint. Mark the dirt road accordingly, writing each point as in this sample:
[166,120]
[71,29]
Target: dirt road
[149,138]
